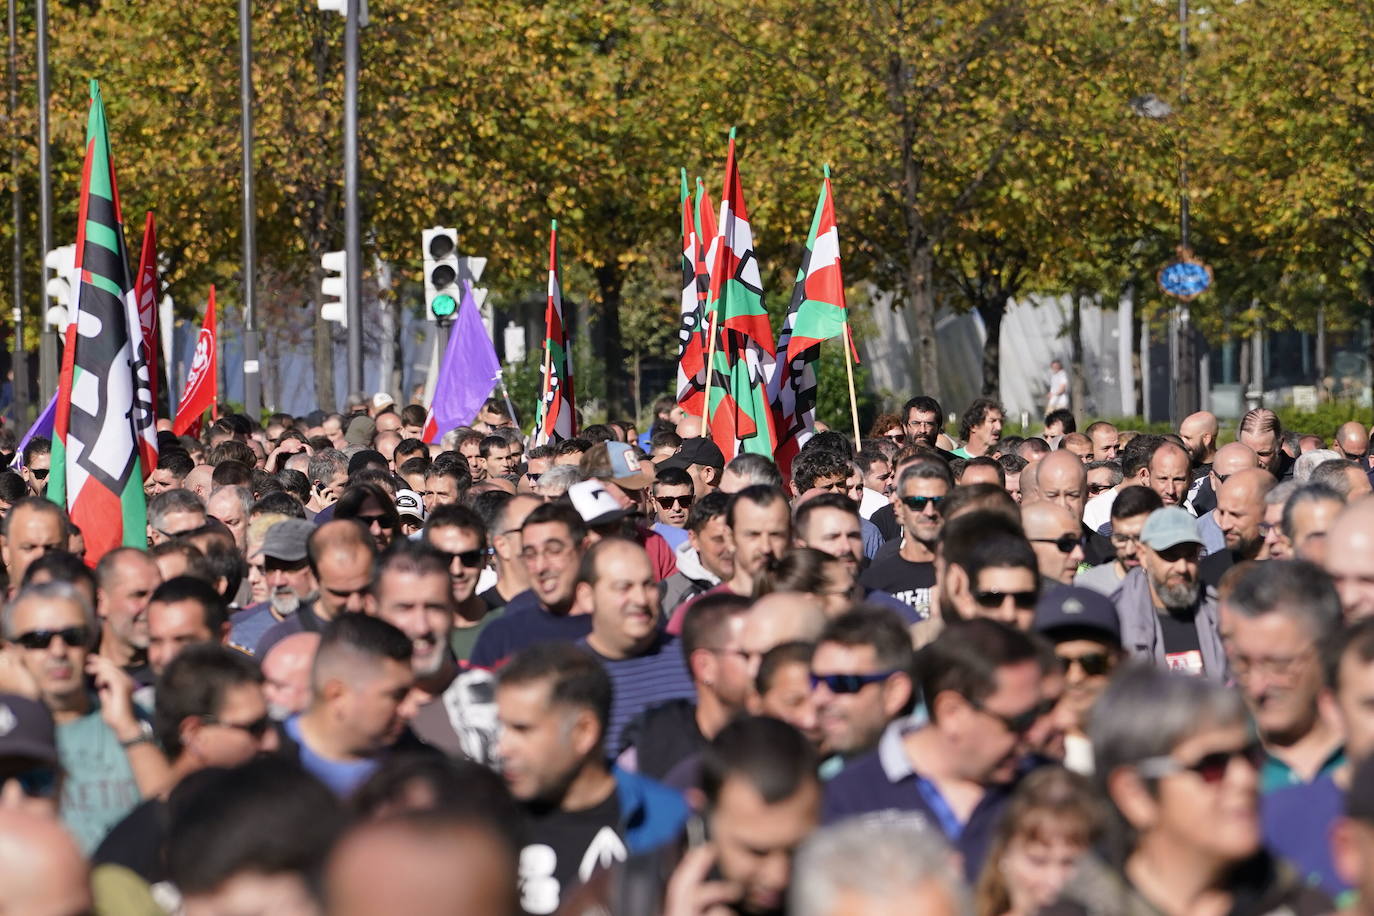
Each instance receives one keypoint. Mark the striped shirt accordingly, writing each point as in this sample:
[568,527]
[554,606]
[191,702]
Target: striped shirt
[655,676]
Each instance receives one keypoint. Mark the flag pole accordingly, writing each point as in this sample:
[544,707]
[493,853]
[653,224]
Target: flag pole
[548,351]
[710,357]
[849,374]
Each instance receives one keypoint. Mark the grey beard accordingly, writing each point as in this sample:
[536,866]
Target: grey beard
[1178,596]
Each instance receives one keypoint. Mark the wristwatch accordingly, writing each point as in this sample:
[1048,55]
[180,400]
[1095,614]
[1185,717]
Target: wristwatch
[145,736]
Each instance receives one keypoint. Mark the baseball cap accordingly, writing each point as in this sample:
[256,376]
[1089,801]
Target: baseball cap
[1071,607]
[696,451]
[360,430]
[617,461]
[1169,527]
[286,540]
[26,729]
[595,503]
[381,399]
[410,505]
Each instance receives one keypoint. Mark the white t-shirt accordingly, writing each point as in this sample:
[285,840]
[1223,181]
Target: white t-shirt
[1059,391]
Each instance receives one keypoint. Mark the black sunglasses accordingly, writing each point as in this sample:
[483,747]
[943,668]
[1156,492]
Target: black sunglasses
[1093,664]
[1065,542]
[39,473]
[996,599]
[1020,723]
[1210,768]
[384,521]
[669,502]
[36,782]
[255,729]
[919,503]
[848,683]
[41,639]
[469,558]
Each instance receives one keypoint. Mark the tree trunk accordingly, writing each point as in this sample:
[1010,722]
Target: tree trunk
[992,313]
[922,299]
[1077,384]
[610,279]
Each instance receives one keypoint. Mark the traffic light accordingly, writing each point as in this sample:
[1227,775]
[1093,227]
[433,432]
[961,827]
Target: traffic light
[442,292]
[334,287]
[58,285]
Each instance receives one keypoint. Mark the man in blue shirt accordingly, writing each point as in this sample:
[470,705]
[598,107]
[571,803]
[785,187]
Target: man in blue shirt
[360,683]
[981,684]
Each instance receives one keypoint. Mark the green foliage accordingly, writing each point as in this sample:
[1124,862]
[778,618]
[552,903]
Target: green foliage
[1325,420]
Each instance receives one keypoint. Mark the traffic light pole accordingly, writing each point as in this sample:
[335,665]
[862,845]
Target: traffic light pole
[352,219]
[47,345]
[20,364]
[252,376]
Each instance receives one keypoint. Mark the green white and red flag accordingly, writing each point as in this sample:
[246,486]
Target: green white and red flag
[104,406]
[692,329]
[146,289]
[817,313]
[556,416]
[740,416]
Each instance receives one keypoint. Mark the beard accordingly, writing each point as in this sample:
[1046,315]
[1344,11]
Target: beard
[1179,594]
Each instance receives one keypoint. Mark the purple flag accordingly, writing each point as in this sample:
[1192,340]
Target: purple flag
[467,375]
[41,427]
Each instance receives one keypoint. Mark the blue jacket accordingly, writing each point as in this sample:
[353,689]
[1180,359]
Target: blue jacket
[653,814]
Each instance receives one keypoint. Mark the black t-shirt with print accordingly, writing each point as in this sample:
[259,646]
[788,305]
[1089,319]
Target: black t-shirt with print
[563,849]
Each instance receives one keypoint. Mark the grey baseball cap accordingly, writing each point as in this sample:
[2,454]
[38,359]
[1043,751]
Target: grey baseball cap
[286,540]
[1169,527]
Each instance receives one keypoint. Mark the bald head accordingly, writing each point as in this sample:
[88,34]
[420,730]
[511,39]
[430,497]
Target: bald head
[1240,510]
[286,674]
[1199,432]
[1061,479]
[1352,566]
[200,480]
[41,869]
[422,865]
[1232,458]
[1047,525]
[1352,440]
[778,618]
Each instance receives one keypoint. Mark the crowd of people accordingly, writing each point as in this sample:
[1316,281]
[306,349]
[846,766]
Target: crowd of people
[353,673]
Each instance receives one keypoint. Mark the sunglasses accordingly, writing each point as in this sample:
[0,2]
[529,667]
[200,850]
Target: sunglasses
[36,782]
[669,502]
[39,473]
[1096,488]
[848,683]
[469,558]
[41,639]
[1065,542]
[997,599]
[1093,664]
[1210,768]
[919,503]
[1020,723]
[255,729]
[380,520]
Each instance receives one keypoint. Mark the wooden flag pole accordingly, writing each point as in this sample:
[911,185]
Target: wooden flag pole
[548,357]
[849,373]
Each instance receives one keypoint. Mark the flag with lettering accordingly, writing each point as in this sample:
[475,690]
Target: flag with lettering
[740,414]
[146,289]
[103,401]
[201,392]
[556,416]
[691,361]
[816,313]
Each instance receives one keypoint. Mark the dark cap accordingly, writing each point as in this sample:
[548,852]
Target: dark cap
[1073,608]
[286,540]
[696,451]
[360,430]
[26,729]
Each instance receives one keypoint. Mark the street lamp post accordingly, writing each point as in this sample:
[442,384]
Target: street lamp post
[252,376]
[20,364]
[352,219]
[47,346]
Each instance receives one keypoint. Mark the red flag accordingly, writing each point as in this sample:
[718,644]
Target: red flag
[146,288]
[202,380]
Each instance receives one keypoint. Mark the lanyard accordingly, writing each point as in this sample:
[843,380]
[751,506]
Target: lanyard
[944,814]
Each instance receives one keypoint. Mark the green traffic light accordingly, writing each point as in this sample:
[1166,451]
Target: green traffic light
[443,306]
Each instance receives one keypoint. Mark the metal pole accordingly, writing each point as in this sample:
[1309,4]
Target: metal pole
[352,221]
[252,377]
[1186,365]
[20,365]
[47,347]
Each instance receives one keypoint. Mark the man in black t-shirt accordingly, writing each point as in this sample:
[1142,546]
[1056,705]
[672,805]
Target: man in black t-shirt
[553,703]
[908,574]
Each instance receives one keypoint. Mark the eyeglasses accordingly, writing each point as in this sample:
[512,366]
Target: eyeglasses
[469,558]
[669,502]
[255,729]
[382,521]
[895,435]
[39,473]
[1022,722]
[848,683]
[919,503]
[552,550]
[1210,768]
[1092,664]
[1121,540]
[41,639]
[1274,666]
[1065,542]
[997,599]
[1095,488]
[35,782]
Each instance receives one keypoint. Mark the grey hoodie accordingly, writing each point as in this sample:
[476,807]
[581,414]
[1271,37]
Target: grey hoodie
[1143,638]
[690,580]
